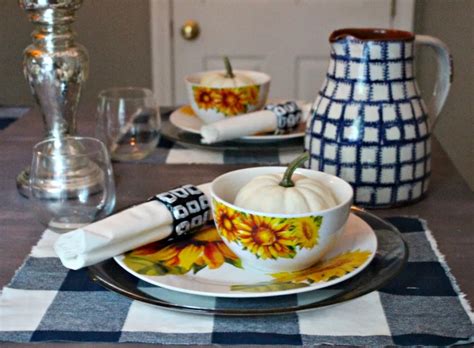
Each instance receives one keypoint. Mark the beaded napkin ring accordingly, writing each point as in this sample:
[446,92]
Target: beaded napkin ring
[288,116]
[188,206]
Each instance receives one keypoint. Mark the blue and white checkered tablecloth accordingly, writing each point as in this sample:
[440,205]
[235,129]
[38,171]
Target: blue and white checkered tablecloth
[172,153]
[9,114]
[422,306]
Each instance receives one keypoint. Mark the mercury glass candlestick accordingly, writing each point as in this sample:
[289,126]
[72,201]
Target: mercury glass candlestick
[55,66]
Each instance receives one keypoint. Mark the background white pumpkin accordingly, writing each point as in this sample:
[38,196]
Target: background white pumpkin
[226,79]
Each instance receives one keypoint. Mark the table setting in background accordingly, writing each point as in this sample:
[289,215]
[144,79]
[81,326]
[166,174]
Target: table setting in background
[237,218]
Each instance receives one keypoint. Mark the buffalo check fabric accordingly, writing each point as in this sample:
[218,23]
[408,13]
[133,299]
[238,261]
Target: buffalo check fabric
[9,114]
[172,153]
[423,306]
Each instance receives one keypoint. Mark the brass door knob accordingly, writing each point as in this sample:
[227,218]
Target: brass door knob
[190,30]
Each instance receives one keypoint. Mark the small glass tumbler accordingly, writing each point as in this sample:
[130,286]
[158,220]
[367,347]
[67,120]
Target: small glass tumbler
[71,182]
[128,122]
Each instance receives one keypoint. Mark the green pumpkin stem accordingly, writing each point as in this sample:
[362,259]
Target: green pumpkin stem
[228,68]
[297,162]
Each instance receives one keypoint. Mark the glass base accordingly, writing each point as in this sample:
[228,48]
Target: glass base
[23,182]
[59,226]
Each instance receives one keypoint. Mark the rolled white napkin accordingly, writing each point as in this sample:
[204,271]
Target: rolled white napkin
[244,125]
[129,229]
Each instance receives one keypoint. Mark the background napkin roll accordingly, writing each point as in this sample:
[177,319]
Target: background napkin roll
[244,125]
[129,229]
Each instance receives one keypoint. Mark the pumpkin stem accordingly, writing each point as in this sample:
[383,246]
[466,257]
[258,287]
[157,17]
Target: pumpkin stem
[228,68]
[297,162]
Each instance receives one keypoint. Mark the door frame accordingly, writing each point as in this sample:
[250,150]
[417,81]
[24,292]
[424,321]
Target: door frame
[161,50]
[161,45]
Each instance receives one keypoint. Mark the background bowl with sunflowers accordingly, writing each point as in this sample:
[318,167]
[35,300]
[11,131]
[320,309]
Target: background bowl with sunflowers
[213,102]
[278,242]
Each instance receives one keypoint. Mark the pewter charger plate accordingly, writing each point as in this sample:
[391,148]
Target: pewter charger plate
[391,256]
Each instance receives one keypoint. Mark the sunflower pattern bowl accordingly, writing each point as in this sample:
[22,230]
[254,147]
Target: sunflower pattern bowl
[278,242]
[212,104]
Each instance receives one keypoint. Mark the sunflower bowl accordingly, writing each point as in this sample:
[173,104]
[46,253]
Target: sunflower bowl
[212,104]
[278,242]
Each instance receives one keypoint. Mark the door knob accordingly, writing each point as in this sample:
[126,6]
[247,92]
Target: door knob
[190,30]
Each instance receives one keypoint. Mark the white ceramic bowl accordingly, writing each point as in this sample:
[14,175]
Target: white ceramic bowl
[213,104]
[229,220]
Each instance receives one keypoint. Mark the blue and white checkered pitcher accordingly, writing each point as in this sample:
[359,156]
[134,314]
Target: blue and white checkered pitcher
[369,124]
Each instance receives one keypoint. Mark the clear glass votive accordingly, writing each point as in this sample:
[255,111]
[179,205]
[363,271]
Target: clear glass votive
[71,182]
[128,122]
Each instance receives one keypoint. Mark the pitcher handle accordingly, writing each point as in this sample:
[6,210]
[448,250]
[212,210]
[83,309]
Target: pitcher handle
[445,74]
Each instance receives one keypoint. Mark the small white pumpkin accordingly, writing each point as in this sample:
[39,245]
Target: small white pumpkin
[285,194]
[226,79]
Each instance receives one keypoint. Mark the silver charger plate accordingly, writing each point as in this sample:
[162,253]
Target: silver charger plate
[391,256]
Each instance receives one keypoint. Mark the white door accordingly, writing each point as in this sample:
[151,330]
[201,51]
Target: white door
[288,39]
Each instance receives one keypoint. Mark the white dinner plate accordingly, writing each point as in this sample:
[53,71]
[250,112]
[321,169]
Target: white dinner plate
[220,274]
[185,119]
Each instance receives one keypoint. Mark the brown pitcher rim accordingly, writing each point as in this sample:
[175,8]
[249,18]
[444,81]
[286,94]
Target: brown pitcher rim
[372,34]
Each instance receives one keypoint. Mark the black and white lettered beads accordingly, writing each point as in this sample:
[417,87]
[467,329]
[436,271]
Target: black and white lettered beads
[288,116]
[188,206]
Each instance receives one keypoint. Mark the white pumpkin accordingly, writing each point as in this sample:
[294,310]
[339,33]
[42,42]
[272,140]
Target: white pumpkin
[226,79]
[285,193]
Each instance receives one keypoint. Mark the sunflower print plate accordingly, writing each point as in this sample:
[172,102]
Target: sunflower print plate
[203,265]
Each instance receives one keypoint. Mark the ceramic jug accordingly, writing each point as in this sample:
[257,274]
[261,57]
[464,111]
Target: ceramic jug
[369,124]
